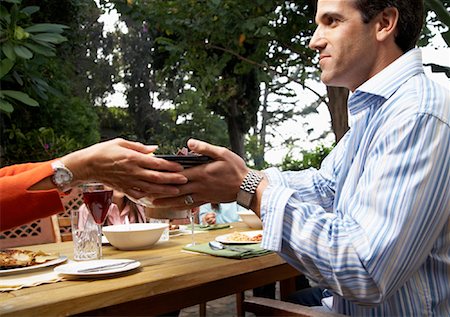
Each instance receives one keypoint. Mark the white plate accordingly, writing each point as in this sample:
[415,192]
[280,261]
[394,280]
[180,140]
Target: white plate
[72,268]
[26,269]
[224,238]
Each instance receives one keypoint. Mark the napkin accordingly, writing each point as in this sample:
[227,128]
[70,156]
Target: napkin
[18,281]
[211,227]
[255,250]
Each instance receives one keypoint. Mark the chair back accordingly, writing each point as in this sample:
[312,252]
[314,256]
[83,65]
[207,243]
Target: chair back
[40,231]
[52,229]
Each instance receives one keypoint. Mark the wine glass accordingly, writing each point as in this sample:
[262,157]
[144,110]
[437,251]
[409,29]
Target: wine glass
[97,198]
[191,213]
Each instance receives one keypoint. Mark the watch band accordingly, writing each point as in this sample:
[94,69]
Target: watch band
[248,189]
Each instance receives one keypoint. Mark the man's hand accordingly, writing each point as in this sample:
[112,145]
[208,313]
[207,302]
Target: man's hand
[209,218]
[218,181]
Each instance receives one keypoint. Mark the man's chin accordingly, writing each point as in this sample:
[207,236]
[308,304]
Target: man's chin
[331,81]
[326,79]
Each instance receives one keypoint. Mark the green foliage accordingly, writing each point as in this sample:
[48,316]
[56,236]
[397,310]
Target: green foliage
[189,119]
[116,122]
[52,81]
[253,152]
[24,44]
[442,17]
[223,50]
[310,159]
[36,145]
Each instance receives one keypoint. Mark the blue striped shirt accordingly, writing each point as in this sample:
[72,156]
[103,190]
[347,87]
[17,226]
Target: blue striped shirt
[373,224]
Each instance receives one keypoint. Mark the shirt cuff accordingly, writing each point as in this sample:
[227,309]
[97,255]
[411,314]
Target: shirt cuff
[273,204]
[275,177]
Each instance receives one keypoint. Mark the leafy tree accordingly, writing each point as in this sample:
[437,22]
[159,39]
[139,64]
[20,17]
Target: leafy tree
[223,50]
[309,159]
[48,78]
[25,45]
[135,58]
[115,122]
[442,16]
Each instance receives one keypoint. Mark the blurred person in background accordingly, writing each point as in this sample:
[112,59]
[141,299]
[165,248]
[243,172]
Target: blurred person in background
[211,214]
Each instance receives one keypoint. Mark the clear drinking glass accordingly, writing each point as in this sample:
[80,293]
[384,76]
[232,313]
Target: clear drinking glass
[98,198]
[84,235]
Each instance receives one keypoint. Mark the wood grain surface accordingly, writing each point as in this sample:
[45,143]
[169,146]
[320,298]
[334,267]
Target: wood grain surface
[168,279]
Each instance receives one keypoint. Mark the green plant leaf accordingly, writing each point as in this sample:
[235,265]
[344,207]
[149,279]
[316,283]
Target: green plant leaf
[8,50]
[4,14]
[6,106]
[23,52]
[5,66]
[45,44]
[20,96]
[30,10]
[40,49]
[17,77]
[49,37]
[46,27]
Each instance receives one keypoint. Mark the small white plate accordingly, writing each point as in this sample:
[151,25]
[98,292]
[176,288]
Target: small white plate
[224,238]
[26,269]
[73,268]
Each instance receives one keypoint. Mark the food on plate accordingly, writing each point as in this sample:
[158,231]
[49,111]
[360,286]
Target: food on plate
[184,151]
[238,236]
[14,258]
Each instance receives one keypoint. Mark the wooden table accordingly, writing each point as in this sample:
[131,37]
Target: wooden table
[168,280]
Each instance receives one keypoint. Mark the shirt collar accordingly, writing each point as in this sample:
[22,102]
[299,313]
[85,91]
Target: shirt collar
[386,82]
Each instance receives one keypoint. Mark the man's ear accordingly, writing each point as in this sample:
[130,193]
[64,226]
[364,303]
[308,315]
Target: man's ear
[387,24]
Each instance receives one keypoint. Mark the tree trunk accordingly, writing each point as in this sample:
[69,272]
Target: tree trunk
[234,131]
[337,105]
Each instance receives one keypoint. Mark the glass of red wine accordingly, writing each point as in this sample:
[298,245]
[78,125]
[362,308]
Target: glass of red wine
[97,198]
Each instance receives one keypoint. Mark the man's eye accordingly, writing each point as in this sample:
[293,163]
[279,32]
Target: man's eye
[332,21]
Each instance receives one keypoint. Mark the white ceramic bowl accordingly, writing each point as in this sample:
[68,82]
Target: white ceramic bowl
[251,219]
[134,236]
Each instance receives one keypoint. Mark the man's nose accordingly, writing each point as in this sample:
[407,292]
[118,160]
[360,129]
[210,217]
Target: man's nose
[317,41]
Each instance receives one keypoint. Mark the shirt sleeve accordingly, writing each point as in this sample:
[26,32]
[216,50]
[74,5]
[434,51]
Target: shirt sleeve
[380,233]
[296,188]
[18,205]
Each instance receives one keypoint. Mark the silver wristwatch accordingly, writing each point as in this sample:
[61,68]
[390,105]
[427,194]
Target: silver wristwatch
[248,189]
[62,176]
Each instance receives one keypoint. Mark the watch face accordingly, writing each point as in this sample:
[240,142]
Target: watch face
[62,176]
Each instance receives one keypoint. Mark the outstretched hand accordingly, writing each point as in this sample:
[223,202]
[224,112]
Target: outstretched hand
[126,166]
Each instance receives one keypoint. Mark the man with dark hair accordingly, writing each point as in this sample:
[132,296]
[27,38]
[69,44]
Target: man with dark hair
[373,224]
[410,20]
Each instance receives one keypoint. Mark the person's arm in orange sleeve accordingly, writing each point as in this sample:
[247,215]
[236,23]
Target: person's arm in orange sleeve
[19,204]
[27,191]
